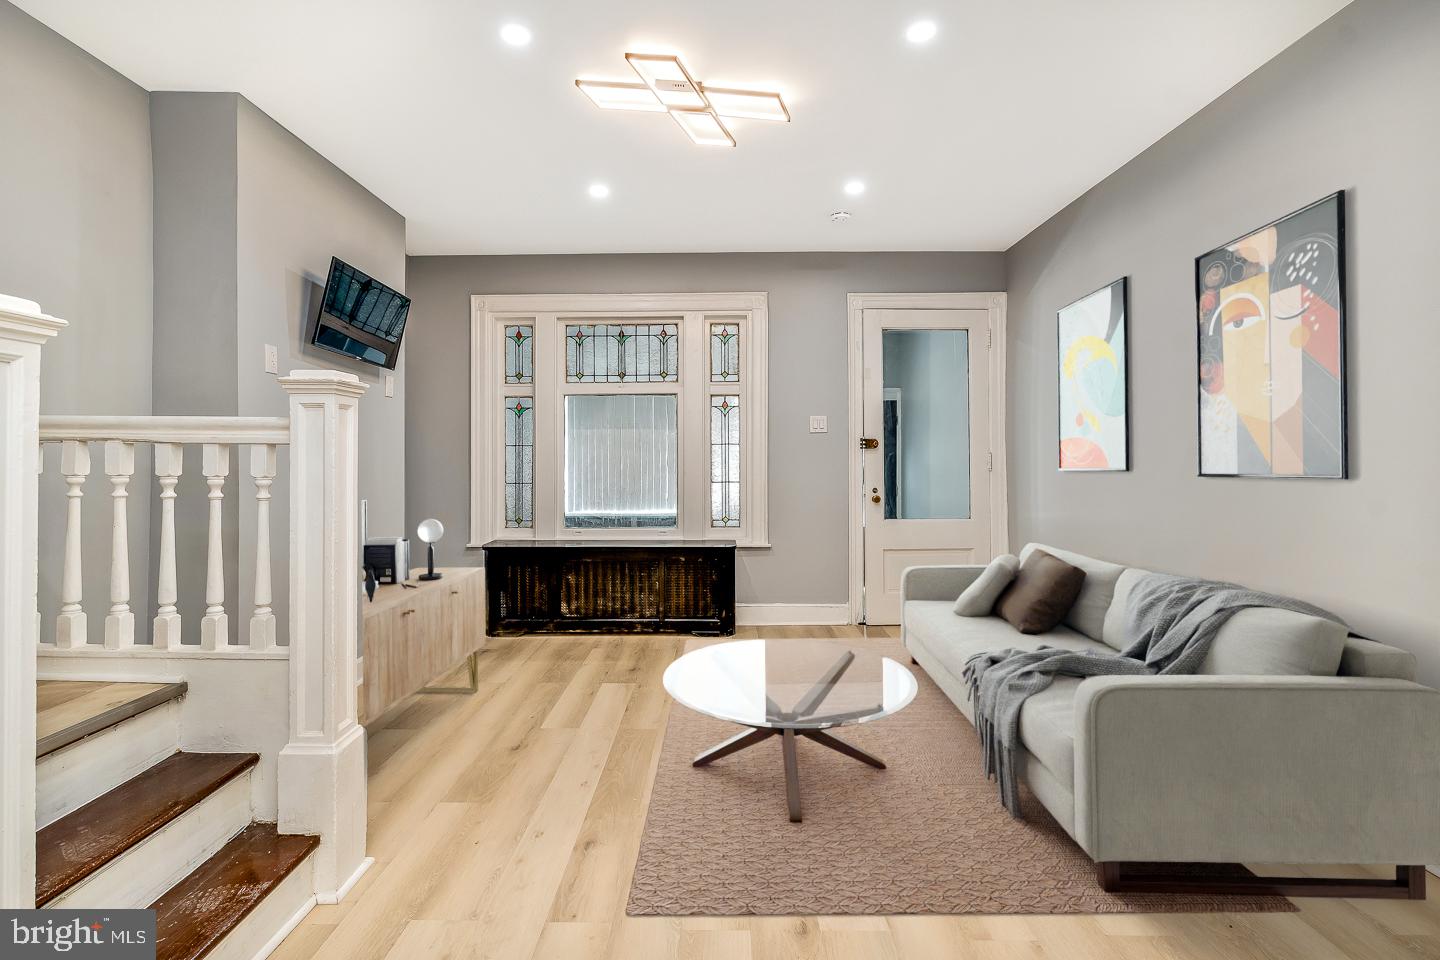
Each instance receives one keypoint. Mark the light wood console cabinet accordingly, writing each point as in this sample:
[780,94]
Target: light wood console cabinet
[414,636]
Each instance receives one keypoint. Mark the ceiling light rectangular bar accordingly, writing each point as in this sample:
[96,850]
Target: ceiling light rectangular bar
[621,95]
[667,77]
[746,104]
[703,127]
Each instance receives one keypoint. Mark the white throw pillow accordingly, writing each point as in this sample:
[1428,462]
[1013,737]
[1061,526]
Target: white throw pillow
[978,599]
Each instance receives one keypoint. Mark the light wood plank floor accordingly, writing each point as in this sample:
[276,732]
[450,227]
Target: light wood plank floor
[505,825]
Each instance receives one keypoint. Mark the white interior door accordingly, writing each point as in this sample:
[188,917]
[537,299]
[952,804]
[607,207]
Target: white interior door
[926,479]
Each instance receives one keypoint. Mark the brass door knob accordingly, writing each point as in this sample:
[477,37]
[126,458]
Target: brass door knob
[875,498]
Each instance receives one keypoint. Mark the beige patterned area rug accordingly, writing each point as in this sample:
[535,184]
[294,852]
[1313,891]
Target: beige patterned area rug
[927,835]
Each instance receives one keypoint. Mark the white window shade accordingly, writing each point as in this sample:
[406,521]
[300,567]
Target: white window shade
[621,461]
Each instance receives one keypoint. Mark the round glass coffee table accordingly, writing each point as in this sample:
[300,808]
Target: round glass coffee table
[789,689]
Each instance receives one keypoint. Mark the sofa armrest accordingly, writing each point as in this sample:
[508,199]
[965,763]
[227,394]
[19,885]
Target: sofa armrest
[937,583]
[1257,768]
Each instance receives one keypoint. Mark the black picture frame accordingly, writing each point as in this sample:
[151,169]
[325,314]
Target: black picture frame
[1202,316]
[1124,299]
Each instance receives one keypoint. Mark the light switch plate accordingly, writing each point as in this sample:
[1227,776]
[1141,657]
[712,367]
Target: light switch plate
[272,359]
[389,384]
[819,425]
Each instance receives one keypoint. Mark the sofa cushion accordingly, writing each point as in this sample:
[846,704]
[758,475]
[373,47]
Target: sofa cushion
[1088,613]
[978,599]
[1113,632]
[1042,593]
[1366,658]
[1268,641]
[952,640]
[1047,727]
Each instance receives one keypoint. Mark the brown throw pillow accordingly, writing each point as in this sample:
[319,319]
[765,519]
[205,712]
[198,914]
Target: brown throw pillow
[1041,594]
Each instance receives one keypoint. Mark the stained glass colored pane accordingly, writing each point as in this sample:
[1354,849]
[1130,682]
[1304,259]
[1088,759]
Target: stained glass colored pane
[520,353]
[724,352]
[622,352]
[519,462]
[724,461]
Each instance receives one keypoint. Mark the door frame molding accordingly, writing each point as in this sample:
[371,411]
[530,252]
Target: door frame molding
[856,303]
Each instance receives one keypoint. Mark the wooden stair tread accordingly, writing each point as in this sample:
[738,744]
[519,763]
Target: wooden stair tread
[81,842]
[195,914]
[70,710]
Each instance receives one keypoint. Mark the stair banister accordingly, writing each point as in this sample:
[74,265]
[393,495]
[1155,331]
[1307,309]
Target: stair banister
[24,329]
[322,768]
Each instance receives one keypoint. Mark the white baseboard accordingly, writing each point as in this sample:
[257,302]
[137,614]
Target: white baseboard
[338,895]
[784,614]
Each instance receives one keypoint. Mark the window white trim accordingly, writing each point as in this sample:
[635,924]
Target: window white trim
[857,304]
[489,313]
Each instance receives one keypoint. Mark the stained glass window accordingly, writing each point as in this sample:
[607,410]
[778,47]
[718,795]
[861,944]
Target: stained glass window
[724,352]
[724,461]
[519,462]
[520,353]
[622,352]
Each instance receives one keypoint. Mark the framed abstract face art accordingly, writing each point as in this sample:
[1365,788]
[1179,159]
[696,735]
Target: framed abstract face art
[1271,312]
[1094,392]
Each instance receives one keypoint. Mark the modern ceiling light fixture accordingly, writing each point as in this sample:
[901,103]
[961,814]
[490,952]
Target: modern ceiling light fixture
[667,86]
[854,187]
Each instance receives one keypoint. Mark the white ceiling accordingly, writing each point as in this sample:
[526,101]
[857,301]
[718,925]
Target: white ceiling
[967,143]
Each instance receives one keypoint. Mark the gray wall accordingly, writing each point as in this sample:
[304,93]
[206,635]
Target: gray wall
[247,217]
[75,235]
[295,211]
[808,510]
[1352,106]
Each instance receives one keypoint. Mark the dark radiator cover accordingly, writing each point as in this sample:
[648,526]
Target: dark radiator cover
[609,586]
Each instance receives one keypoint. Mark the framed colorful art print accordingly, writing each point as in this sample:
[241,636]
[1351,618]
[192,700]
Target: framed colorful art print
[1271,348]
[1094,382]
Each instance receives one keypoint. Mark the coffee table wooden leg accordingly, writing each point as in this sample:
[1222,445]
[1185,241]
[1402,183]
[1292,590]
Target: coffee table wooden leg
[792,776]
[734,745]
[840,746]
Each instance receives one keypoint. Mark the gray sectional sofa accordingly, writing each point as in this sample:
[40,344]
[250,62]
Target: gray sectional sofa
[1295,744]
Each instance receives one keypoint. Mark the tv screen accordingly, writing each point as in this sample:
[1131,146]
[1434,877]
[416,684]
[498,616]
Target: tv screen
[360,317]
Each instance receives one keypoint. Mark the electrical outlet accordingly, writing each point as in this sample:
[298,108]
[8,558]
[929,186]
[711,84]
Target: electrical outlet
[272,358]
[389,384]
[819,425]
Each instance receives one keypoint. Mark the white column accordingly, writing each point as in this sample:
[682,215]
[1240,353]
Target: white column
[215,626]
[70,628]
[322,768]
[120,621]
[262,623]
[23,330]
[169,463]
[39,472]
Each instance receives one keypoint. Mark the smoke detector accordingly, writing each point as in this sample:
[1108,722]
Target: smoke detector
[840,216]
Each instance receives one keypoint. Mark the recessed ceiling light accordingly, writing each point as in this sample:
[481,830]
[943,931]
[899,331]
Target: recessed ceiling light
[515,34]
[921,31]
[840,216]
[599,191]
[854,187]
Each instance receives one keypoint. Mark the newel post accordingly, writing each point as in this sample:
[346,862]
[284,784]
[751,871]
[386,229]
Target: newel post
[322,768]
[23,331]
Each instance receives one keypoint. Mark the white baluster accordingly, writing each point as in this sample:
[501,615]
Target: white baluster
[70,628]
[215,627]
[120,621]
[262,469]
[169,462]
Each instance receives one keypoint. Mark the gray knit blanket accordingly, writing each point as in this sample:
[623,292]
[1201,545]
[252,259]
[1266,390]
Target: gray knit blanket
[1170,624]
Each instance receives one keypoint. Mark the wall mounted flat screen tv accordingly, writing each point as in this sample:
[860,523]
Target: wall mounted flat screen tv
[360,317]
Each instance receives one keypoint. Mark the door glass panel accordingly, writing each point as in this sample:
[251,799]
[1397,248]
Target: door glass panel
[926,424]
[621,461]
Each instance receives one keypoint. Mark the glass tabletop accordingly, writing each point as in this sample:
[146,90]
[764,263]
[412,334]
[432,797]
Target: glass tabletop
[800,684]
